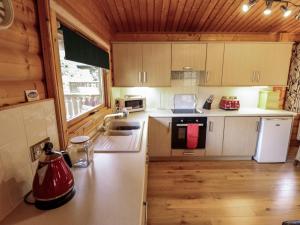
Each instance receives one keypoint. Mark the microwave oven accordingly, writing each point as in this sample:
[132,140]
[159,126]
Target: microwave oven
[131,103]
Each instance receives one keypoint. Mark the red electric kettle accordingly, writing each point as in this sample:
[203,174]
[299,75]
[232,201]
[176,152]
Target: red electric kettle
[53,183]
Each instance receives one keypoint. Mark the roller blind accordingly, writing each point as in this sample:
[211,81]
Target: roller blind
[79,49]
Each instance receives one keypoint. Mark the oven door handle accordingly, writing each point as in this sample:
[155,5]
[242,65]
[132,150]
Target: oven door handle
[185,125]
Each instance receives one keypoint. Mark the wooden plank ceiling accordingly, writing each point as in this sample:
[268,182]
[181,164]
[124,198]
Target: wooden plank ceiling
[138,16]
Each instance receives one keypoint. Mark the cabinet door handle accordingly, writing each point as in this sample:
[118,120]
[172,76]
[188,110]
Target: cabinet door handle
[145,77]
[253,76]
[140,77]
[189,153]
[169,127]
[187,68]
[258,76]
[146,211]
[210,126]
[207,77]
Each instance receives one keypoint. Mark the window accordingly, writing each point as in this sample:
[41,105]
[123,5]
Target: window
[83,84]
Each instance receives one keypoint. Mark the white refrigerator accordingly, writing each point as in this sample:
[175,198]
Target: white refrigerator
[273,139]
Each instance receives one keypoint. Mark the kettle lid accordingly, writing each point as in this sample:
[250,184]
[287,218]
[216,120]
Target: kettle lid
[49,154]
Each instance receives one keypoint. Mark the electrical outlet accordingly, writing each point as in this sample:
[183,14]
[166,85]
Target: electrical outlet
[37,149]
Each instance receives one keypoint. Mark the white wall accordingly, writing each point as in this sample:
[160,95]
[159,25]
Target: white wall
[163,97]
[20,128]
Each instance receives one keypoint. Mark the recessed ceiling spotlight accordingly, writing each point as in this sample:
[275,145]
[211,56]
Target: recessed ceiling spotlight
[286,11]
[248,5]
[268,9]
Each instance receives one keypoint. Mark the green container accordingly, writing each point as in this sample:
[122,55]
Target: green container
[269,99]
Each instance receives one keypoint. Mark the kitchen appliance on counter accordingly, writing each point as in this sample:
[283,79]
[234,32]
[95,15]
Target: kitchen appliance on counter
[229,103]
[208,102]
[81,151]
[53,183]
[269,99]
[132,103]
[179,131]
[185,103]
[273,140]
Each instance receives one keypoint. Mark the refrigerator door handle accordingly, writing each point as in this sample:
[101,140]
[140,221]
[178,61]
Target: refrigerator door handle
[257,126]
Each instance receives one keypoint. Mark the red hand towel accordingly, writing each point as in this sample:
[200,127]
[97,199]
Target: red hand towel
[192,136]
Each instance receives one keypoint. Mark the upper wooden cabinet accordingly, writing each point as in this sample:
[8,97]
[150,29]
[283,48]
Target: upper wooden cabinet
[221,64]
[188,56]
[214,65]
[254,64]
[157,65]
[274,63]
[137,64]
[127,62]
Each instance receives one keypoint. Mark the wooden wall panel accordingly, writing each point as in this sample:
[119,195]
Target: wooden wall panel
[205,37]
[195,16]
[91,14]
[21,62]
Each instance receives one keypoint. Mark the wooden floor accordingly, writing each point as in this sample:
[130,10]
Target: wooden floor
[223,192]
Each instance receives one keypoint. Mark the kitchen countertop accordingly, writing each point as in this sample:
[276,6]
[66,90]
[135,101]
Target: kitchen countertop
[220,112]
[109,192]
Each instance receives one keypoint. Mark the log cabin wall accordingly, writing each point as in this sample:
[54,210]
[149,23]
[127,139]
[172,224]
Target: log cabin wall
[85,12]
[21,60]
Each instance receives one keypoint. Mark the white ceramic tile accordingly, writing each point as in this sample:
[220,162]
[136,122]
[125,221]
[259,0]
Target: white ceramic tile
[20,184]
[13,156]
[5,204]
[12,126]
[50,118]
[35,123]
[248,95]
[17,177]
[20,128]
[34,166]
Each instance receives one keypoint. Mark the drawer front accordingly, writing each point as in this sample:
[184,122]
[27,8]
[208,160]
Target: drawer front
[187,153]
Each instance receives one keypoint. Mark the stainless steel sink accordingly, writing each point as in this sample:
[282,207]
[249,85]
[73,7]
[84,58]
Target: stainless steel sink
[120,136]
[124,125]
[118,133]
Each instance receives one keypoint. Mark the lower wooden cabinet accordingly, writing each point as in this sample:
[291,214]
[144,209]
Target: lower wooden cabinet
[145,202]
[159,136]
[214,136]
[225,136]
[240,136]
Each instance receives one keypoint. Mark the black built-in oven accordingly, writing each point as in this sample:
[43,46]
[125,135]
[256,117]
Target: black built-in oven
[179,131]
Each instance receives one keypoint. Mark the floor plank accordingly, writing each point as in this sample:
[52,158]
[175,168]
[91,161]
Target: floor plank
[223,192]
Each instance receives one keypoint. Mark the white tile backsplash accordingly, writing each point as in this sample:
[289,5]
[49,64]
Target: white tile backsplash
[21,127]
[163,97]
[35,123]
[11,127]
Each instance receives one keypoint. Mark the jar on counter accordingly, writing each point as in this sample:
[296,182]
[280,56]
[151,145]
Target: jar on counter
[81,151]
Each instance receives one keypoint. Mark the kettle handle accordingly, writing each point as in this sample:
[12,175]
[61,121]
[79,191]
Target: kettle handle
[67,158]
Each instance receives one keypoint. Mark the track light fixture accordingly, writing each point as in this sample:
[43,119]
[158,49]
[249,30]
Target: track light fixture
[284,6]
[286,11]
[268,9]
[248,5]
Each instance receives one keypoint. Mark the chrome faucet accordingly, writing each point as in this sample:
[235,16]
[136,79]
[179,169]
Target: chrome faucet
[109,117]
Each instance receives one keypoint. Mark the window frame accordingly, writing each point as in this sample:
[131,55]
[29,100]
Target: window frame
[95,109]
[49,12]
